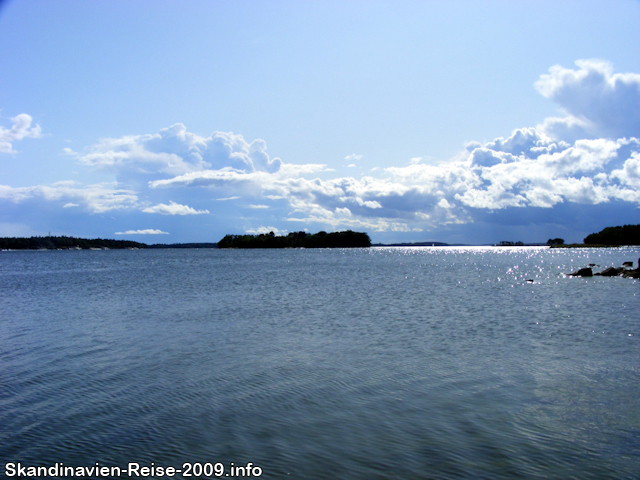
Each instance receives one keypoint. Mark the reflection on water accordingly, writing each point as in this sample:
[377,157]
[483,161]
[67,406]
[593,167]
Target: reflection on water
[373,363]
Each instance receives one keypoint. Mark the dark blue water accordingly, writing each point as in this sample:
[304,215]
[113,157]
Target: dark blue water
[382,363]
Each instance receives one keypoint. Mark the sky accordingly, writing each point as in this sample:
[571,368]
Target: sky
[468,122]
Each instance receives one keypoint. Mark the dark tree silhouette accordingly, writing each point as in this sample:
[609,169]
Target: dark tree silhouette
[346,239]
[626,235]
[52,243]
[555,241]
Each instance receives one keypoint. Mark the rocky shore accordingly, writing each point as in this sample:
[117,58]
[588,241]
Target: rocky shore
[623,271]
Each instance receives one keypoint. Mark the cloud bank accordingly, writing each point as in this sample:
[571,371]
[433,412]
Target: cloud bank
[94,198]
[590,156]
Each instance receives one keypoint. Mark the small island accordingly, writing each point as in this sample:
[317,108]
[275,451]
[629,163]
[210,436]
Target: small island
[625,235]
[346,239]
[608,237]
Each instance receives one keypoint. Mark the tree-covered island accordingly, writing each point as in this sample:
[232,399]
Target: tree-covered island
[624,235]
[346,239]
[608,237]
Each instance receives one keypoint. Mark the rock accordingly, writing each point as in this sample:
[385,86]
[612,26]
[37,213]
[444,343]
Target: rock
[583,272]
[631,273]
[610,272]
[627,264]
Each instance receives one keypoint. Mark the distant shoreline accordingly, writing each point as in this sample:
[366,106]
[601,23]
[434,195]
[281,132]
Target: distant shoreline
[72,243]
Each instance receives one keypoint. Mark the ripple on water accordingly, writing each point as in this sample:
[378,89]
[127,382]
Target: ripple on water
[375,363]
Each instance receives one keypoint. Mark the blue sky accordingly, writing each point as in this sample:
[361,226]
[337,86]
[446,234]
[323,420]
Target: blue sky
[461,121]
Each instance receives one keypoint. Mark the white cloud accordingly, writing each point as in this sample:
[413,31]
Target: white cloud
[353,156]
[526,169]
[211,178]
[629,174]
[266,230]
[361,202]
[128,156]
[599,103]
[174,209]
[94,198]
[148,231]
[174,151]
[591,156]
[69,152]
[293,170]
[342,220]
[20,129]
[444,204]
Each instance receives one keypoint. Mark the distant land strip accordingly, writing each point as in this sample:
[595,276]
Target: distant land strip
[65,243]
[73,243]
[608,237]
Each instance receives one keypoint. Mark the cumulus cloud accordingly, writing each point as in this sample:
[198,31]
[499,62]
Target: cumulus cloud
[598,102]
[20,129]
[591,156]
[526,169]
[174,151]
[586,172]
[529,168]
[147,231]
[174,209]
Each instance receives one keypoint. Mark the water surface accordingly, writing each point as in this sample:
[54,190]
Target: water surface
[380,363]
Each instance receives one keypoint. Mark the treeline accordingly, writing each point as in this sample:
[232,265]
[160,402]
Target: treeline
[53,243]
[346,239]
[625,235]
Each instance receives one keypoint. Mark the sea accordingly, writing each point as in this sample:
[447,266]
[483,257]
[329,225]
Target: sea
[373,363]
